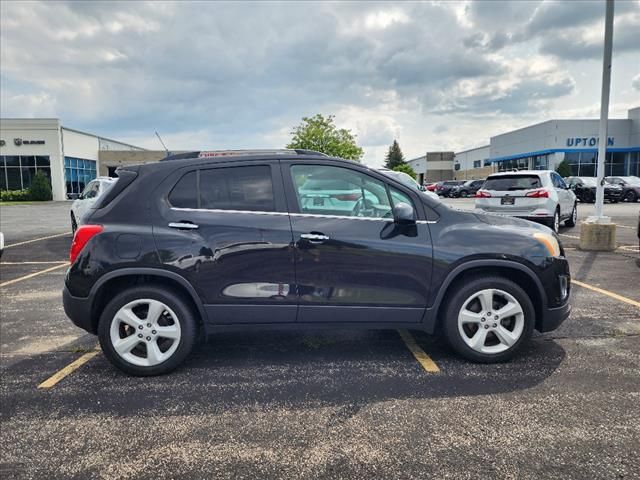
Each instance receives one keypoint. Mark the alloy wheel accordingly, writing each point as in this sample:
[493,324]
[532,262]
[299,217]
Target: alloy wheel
[556,222]
[491,321]
[145,332]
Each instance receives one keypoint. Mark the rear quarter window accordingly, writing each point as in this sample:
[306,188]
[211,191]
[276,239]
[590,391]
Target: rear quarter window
[184,193]
[512,182]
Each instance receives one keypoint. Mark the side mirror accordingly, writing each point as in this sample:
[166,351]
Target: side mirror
[403,214]
[422,188]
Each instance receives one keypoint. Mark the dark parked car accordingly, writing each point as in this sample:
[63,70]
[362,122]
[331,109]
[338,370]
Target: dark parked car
[443,189]
[630,187]
[585,189]
[467,189]
[266,258]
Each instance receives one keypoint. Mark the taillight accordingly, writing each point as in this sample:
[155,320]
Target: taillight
[540,193]
[80,239]
[347,197]
[482,194]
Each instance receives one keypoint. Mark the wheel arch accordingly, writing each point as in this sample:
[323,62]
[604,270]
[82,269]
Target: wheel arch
[522,275]
[109,285]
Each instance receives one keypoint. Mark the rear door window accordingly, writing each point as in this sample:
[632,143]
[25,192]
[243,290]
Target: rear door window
[507,183]
[247,188]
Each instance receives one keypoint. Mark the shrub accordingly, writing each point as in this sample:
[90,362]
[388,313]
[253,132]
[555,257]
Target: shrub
[40,188]
[564,169]
[15,195]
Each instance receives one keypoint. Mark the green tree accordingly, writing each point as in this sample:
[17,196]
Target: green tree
[40,188]
[403,167]
[564,169]
[394,156]
[320,133]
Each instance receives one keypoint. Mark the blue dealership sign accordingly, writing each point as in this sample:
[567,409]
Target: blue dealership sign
[587,141]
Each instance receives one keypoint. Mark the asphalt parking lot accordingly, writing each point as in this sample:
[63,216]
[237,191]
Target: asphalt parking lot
[330,404]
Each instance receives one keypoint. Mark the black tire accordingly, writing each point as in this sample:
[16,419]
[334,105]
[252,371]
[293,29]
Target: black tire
[464,194]
[455,304]
[74,224]
[571,221]
[630,196]
[185,317]
[552,223]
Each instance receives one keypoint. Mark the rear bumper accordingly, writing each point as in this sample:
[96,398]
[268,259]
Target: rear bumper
[554,317]
[78,310]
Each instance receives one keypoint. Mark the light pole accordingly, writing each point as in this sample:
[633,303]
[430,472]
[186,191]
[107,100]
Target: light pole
[604,110]
[598,233]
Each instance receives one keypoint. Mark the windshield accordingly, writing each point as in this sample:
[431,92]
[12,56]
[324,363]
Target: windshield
[588,181]
[512,182]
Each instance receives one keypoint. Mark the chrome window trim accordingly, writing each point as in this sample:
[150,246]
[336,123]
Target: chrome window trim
[311,215]
[218,210]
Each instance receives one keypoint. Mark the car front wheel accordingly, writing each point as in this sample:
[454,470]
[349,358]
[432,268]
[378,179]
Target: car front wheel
[147,330]
[489,319]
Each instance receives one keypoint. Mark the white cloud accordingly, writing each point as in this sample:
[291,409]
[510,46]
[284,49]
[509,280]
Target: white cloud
[438,75]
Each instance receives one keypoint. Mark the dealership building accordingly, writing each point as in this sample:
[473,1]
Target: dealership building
[543,146]
[69,158]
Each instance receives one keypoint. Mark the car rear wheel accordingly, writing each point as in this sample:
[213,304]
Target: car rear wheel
[630,196]
[488,320]
[554,222]
[147,331]
[464,194]
[571,221]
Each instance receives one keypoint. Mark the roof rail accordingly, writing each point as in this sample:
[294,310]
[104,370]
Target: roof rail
[235,153]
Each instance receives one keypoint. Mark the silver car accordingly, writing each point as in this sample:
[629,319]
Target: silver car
[538,195]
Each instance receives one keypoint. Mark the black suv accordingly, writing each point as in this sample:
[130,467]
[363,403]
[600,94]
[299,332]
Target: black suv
[209,241]
[467,189]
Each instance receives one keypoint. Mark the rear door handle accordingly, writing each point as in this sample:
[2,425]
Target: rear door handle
[183,225]
[314,237]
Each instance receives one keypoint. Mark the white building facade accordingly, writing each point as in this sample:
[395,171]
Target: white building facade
[69,158]
[544,145]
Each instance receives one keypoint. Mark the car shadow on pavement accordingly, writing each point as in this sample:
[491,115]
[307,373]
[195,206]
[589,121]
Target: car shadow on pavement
[289,369]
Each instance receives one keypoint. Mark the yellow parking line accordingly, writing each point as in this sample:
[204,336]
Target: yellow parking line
[38,239]
[69,369]
[31,275]
[419,354]
[607,292]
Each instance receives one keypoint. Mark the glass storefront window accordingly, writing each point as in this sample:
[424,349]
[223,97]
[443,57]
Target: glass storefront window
[78,173]
[17,172]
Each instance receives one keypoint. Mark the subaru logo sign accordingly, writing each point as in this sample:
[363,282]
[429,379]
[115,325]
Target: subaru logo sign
[587,141]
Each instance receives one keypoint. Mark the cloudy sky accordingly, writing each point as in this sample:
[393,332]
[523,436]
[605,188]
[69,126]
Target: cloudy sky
[434,75]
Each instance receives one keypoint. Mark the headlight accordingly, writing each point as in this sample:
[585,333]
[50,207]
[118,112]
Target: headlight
[550,242]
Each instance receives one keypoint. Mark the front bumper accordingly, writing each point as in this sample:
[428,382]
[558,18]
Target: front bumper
[78,309]
[553,317]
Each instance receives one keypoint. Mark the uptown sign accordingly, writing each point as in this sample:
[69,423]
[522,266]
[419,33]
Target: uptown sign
[587,141]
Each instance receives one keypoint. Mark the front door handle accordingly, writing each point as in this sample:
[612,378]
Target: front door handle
[314,237]
[183,225]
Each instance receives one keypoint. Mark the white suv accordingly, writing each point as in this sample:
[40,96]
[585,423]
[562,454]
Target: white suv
[94,189]
[538,195]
